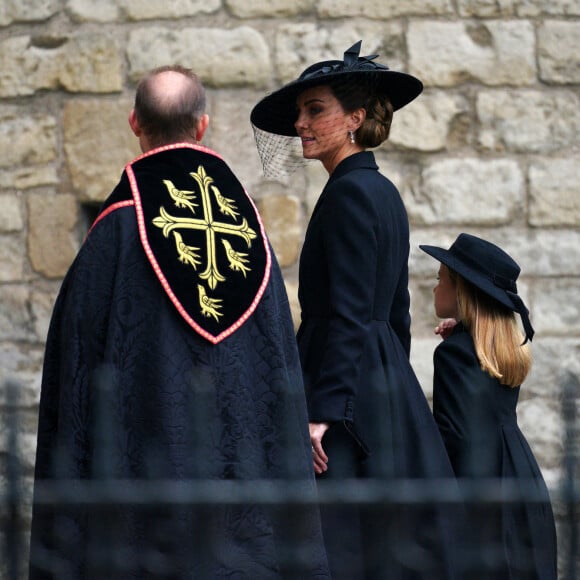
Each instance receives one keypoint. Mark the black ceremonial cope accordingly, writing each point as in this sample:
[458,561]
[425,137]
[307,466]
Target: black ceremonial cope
[202,235]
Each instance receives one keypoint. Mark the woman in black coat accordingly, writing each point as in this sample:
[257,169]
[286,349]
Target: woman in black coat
[478,370]
[368,415]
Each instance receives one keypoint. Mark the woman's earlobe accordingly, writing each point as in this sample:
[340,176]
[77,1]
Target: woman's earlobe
[358,118]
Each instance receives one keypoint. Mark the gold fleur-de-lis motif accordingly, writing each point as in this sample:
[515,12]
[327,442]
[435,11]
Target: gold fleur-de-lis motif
[164,221]
[237,260]
[209,306]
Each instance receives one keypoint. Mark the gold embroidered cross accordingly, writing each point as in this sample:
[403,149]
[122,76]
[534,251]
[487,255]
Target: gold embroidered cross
[212,227]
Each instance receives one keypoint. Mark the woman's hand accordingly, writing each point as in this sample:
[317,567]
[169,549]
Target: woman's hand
[445,327]
[317,431]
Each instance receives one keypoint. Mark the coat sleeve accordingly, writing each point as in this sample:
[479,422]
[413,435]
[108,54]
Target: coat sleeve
[350,246]
[462,407]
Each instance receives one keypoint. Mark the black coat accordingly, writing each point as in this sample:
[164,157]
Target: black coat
[353,290]
[354,343]
[131,392]
[477,418]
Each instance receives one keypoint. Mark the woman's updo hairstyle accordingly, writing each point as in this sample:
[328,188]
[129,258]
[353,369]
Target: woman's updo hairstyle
[354,95]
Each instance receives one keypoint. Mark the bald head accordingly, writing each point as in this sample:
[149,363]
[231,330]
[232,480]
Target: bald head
[169,105]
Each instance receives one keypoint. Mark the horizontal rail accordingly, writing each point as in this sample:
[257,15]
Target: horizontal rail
[284,492]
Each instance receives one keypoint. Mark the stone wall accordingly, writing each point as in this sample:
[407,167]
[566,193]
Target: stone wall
[491,147]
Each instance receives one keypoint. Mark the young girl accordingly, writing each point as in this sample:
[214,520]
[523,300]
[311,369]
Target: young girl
[477,372]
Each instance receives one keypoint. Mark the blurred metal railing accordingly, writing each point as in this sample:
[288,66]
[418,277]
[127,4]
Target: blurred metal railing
[290,495]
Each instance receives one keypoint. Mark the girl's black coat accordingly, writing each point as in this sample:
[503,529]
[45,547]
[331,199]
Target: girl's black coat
[476,416]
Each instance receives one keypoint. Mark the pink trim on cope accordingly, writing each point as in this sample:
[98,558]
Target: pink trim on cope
[109,211]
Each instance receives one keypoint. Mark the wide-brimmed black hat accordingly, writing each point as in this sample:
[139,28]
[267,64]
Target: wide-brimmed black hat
[488,268]
[276,112]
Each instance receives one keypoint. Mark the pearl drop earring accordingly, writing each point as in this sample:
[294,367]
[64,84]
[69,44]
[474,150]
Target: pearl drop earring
[351,133]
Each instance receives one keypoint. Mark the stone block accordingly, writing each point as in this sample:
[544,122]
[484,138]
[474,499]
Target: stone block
[316,178]
[41,306]
[87,11]
[27,451]
[553,358]
[384,9]
[90,63]
[429,123]
[52,239]
[269,8]
[116,10]
[25,138]
[15,323]
[528,121]
[221,57]
[541,424]
[558,55]
[84,63]
[98,142]
[468,191]
[517,8]
[230,134]
[556,306]
[21,365]
[423,267]
[450,53]
[292,291]
[26,11]
[486,8]
[24,445]
[422,362]
[300,45]
[282,217]
[11,215]
[139,10]
[526,8]
[547,252]
[554,199]
[20,178]
[422,312]
[403,171]
[12,257]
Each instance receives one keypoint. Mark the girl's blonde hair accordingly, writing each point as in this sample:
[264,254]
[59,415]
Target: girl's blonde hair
[496,335]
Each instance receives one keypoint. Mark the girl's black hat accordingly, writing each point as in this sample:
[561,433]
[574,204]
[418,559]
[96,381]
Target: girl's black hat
[488,268]
[276,112]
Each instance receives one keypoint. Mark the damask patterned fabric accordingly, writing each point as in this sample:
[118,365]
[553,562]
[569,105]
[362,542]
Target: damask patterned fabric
[130,391]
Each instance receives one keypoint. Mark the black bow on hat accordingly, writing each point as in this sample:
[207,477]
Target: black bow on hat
[351,62]
[488,268]
[276,112]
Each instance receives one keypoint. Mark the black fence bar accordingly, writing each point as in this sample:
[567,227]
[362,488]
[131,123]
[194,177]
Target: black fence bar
[406,492]
[11,504]
[570,393]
